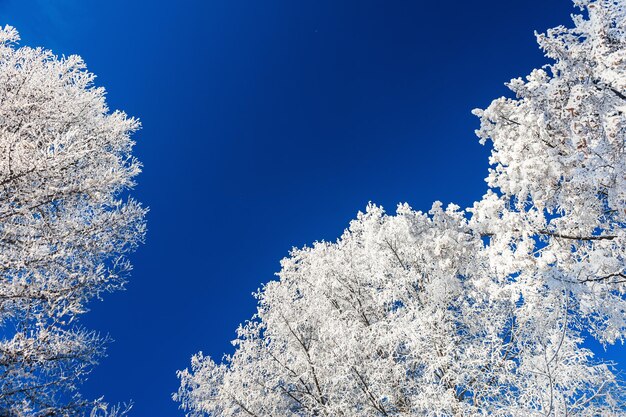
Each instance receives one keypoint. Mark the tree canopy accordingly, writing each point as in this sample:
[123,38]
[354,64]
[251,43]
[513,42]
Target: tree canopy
[463,312]
[66,224]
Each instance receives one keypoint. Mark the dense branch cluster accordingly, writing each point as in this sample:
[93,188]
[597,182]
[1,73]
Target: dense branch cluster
[65,232]
[482,311]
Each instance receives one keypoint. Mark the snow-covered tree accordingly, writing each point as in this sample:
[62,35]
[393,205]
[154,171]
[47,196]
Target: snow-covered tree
[453,312]
[65,226]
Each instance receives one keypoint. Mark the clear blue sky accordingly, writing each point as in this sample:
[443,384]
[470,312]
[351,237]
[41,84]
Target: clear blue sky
[267,125]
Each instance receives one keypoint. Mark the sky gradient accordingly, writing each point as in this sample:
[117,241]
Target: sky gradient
[268,125]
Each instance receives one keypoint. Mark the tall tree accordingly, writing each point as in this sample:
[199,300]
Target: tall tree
[453,312]
[65,226]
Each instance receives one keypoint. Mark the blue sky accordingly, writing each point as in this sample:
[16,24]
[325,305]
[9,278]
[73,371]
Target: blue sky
[268,125]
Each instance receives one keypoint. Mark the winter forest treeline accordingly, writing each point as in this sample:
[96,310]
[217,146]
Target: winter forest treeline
[463,312]
[478,311]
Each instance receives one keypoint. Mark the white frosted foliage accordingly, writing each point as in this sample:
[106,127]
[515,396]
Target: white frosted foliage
[65,227]
[482,311]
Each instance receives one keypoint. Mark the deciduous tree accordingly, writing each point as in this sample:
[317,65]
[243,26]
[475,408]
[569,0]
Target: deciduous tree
[453,312]
[66,226]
